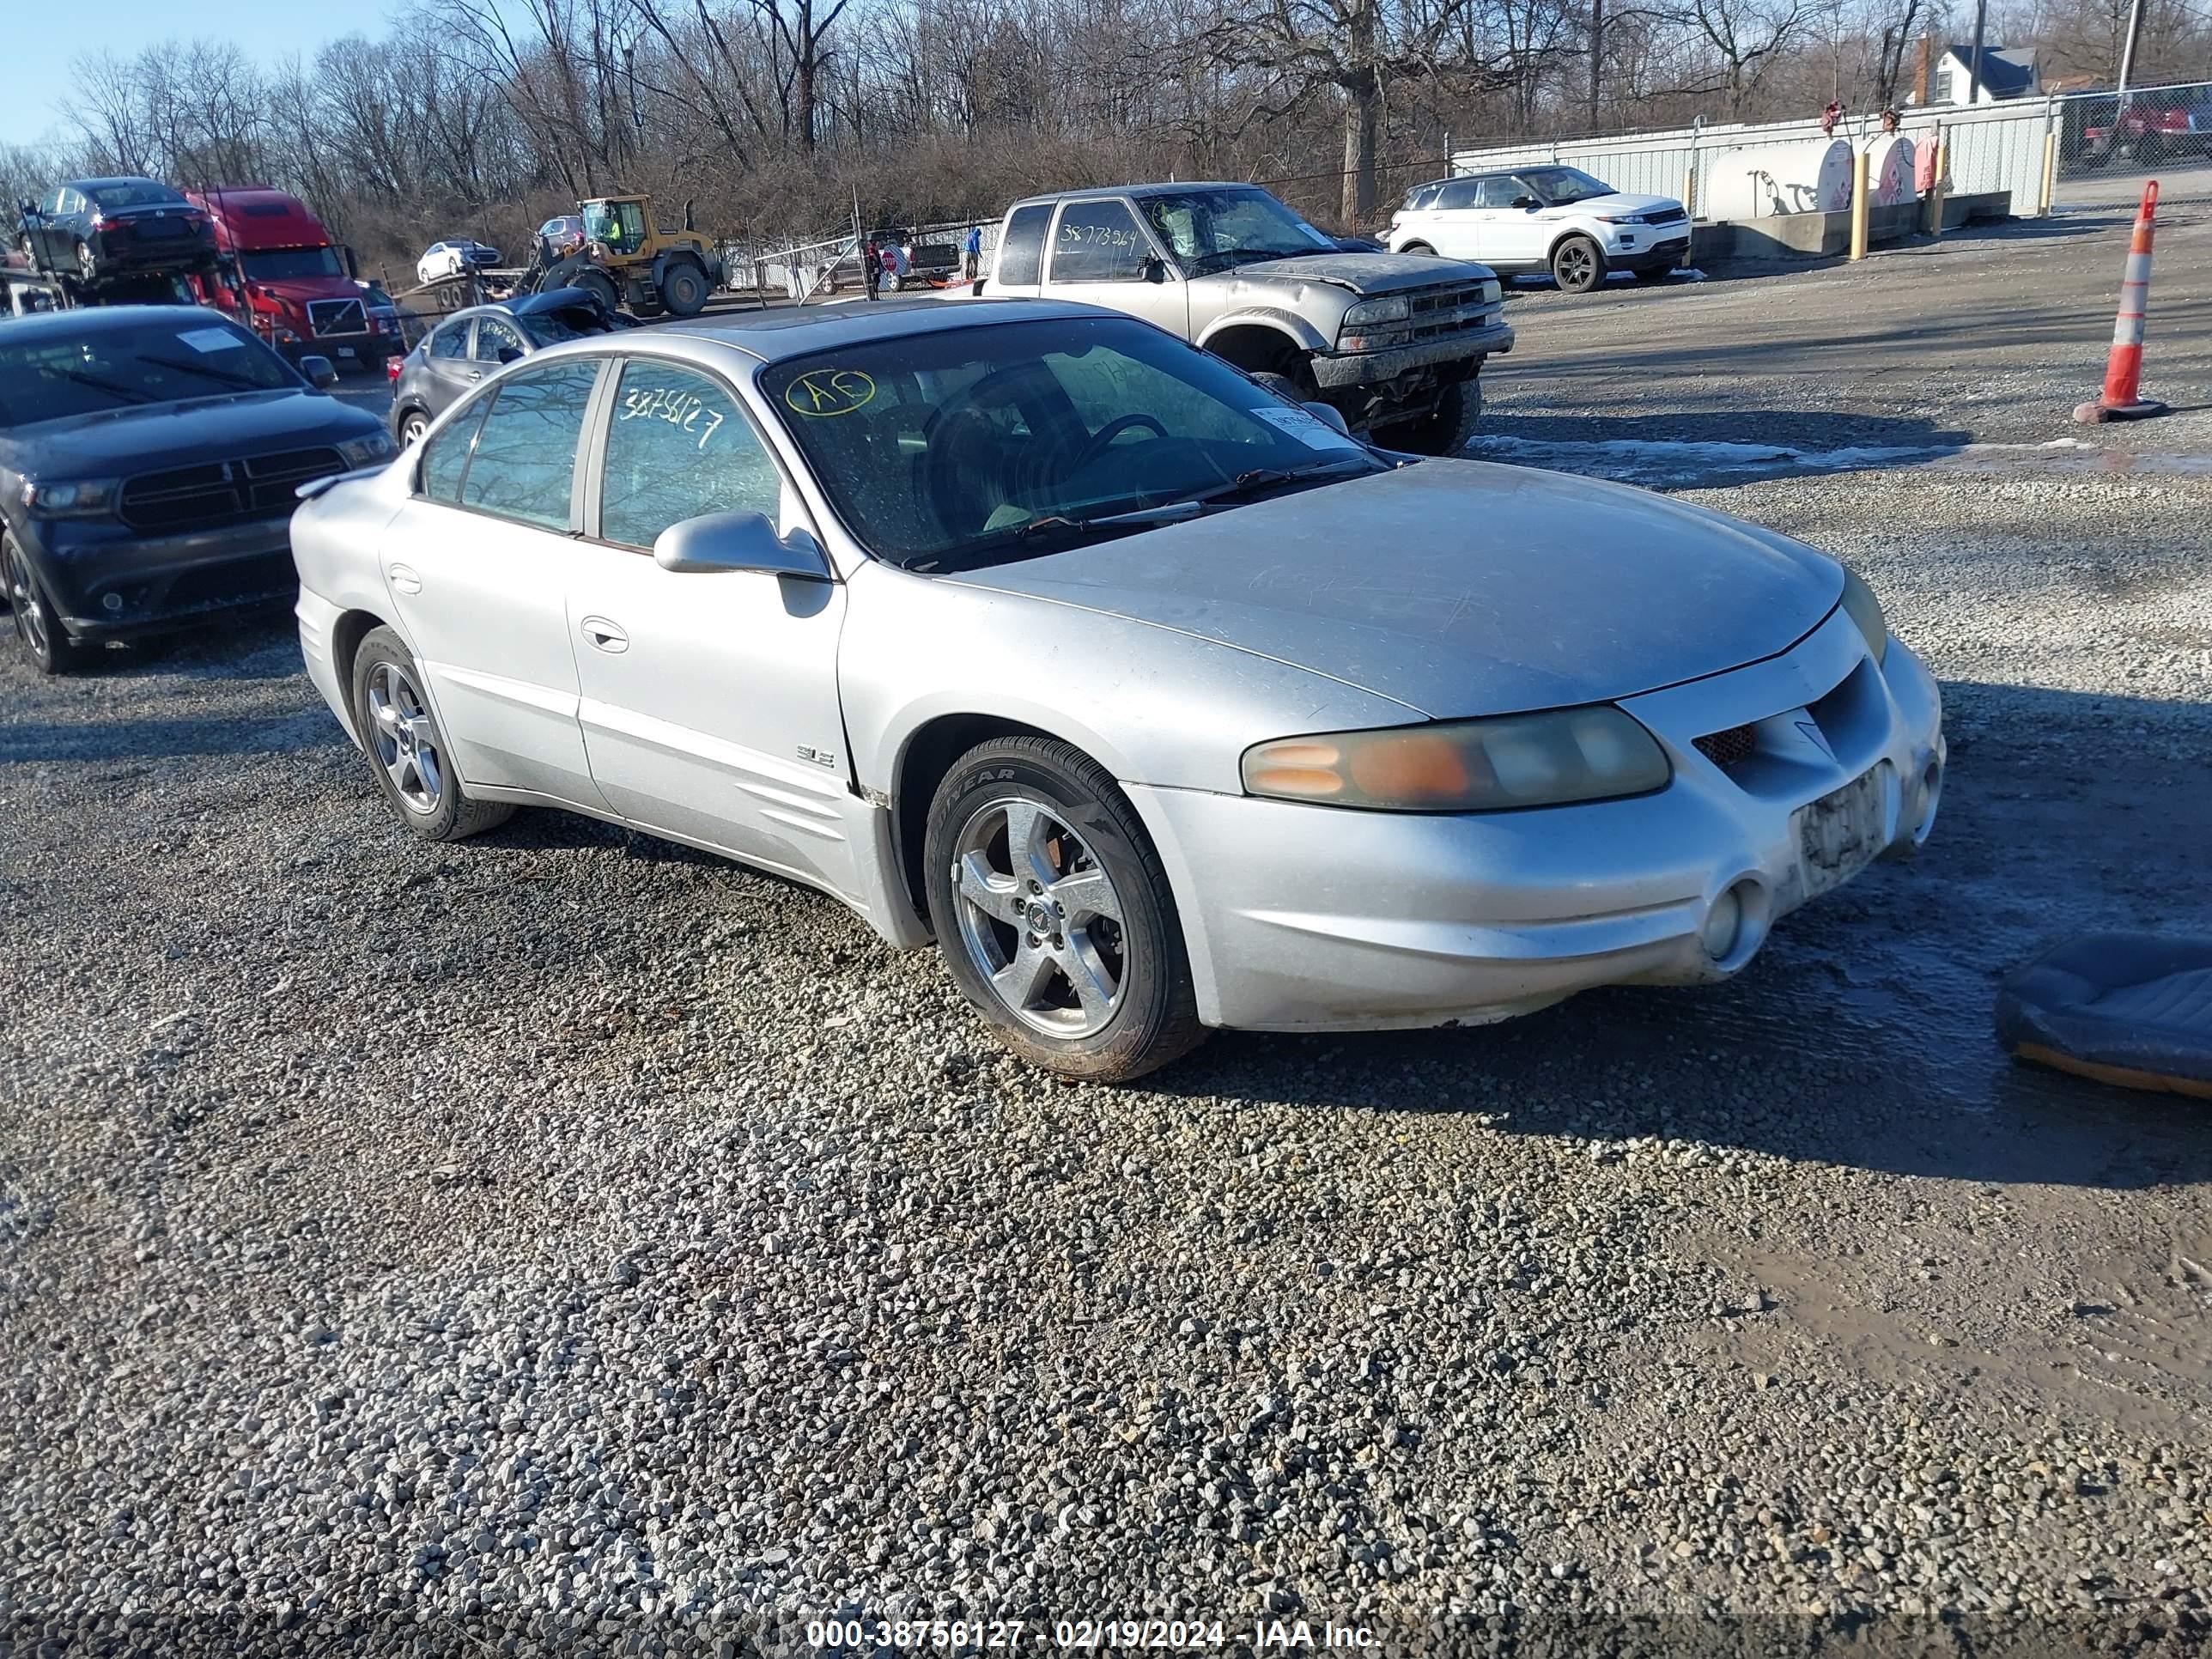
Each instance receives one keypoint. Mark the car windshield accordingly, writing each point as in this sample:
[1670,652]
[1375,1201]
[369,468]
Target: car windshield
[109,198]
[291,264]
[547,328]
[1560,186]
[1210,230]
[972,446]
[52,379]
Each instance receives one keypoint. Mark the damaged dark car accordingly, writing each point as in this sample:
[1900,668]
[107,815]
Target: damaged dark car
[149,462]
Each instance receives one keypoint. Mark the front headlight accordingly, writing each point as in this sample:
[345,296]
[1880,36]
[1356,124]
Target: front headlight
[1368,313]
[368,451]
[1593,753]
[1866,611]
[80,498]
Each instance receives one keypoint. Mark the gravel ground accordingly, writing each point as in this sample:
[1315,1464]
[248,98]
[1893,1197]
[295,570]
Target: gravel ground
[567,1235]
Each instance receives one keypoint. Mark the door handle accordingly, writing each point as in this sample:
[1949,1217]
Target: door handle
[404,578]
[604,635]
[475,374]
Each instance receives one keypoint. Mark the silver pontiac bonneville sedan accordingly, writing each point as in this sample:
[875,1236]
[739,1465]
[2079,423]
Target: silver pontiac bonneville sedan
[1156,700]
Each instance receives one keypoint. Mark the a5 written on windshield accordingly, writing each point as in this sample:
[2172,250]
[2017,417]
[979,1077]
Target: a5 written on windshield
[931,444]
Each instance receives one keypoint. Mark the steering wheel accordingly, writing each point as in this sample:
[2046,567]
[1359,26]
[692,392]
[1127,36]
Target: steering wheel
[1106,434]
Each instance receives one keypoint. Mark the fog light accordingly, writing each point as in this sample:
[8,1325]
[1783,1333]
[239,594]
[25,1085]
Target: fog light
[1723,924]
[113,602]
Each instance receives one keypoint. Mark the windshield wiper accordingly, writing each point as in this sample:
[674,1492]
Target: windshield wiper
[223,375]
[128,394]
[1060,527]
[1260,478]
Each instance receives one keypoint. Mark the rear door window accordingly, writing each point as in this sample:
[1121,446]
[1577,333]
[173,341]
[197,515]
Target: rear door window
[452,340]
[1021,254]
[525,464]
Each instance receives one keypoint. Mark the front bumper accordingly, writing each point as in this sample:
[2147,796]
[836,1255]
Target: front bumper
[1339,370]
[109,583]
[1660,256]
[1314,919]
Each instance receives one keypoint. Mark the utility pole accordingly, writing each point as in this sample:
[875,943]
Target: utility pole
[2128,50]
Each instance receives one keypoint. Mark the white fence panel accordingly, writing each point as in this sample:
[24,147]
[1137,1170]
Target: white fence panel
[1997,147]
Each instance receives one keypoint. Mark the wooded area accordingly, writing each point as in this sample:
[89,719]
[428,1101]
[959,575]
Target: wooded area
[482,117]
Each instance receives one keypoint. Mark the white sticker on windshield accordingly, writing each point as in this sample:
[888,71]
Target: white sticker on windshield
[211,339]
[1309,429]
[1321,238]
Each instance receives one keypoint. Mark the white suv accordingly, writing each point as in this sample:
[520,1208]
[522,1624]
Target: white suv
[1555,219]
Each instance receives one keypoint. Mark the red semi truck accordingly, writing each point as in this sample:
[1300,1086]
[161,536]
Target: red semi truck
[298,282]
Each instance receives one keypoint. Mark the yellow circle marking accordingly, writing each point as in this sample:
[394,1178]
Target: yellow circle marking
[821,392]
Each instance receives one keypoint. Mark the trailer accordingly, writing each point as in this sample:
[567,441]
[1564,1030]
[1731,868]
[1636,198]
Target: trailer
[26,290]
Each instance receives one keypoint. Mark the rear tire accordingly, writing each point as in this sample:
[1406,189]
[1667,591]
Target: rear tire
[46,642]
[412,425]
[1054,913]
[1419,247]
[1578,264]
[1446,431]
[407,751]
[683,289]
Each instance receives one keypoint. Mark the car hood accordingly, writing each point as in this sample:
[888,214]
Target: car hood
[133,440]
[1460,588]
[1619,202]
[1360,273]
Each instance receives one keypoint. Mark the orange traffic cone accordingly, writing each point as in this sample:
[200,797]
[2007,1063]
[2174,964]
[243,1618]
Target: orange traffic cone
[2124,368]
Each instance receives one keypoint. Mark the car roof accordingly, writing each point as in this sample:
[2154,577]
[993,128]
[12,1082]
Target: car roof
[1136,191]
[799,330]
[102,319]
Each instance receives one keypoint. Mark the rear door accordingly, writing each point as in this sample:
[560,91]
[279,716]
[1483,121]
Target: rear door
[479,565]
[449,367]
[709,698]
[1100,254]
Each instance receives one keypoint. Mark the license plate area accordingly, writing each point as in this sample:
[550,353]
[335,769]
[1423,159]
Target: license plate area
[1839,834]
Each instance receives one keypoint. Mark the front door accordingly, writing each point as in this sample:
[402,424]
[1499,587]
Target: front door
[1101,256]
[1522,235]
[479,564]
[709,698]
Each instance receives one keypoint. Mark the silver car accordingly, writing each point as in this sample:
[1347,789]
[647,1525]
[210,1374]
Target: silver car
[1153,698]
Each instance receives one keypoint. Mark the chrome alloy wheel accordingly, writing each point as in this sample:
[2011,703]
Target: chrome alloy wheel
[408,746]
[23,599]
[1039,917]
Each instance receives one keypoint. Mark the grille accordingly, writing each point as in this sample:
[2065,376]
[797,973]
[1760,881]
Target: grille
[1437,311]
[1727,749]
[1666,216]
[187,498]
[337,317]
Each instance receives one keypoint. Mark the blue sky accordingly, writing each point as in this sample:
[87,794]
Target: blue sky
[47,34]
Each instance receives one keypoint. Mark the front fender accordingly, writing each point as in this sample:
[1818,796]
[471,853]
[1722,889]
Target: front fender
[1289,324]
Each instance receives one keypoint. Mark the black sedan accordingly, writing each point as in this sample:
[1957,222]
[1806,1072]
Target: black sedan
[470,344]
[149,462]
[96,228]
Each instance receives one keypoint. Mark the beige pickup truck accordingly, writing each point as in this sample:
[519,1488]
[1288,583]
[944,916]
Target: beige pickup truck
[1395,342]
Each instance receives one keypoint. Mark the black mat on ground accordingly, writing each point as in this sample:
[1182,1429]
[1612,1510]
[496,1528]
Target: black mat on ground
[2134,1009]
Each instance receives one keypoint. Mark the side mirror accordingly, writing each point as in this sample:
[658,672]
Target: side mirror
[975,288]
[1528,202]
[321,371]
[1154,269]
[1328,415]
[737,541]
[510,354]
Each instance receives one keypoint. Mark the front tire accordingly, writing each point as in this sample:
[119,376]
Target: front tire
[406,751]
[46,642]
[1447,430]
[683,289]
[1578,264]
[1055,914]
